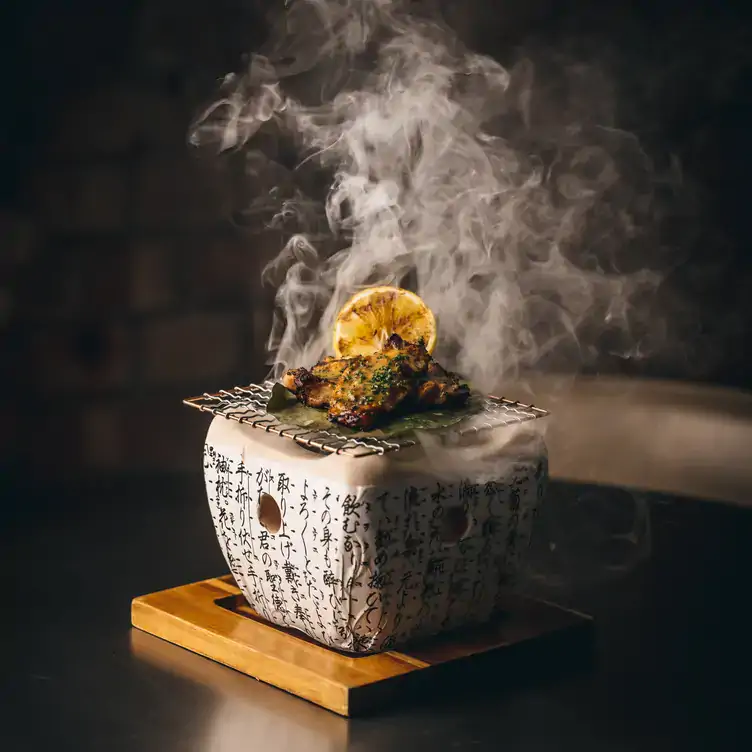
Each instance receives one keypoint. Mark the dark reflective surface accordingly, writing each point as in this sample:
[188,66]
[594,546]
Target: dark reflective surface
[669,670]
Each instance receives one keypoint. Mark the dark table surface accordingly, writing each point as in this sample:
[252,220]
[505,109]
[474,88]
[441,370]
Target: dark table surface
[670,600]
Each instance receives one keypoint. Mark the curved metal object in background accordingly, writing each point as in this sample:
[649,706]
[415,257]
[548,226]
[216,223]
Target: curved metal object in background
[667,437]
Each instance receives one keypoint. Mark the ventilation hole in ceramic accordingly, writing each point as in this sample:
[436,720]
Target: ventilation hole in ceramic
[269,513]
[454,525]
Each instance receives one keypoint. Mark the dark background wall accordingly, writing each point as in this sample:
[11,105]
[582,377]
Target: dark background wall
[124,284]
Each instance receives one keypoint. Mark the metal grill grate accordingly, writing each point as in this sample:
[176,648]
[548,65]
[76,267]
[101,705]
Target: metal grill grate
[247,404]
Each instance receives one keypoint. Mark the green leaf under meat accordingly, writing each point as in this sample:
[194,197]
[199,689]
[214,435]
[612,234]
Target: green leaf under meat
[286,408]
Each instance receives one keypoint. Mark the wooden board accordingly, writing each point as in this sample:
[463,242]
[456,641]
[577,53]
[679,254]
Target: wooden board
[212,618]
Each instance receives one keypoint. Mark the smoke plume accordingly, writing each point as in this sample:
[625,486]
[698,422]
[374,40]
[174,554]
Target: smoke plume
[506,197]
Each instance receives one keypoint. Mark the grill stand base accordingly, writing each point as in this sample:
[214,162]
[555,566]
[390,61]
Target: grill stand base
[211,618]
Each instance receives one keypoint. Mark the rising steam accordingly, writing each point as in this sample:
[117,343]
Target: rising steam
[506,198]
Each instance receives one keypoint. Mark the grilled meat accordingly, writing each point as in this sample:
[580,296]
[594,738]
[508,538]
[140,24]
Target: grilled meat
[360,392]
[330,369]
[309,389]
[442,388]
[374,386]
[315,387]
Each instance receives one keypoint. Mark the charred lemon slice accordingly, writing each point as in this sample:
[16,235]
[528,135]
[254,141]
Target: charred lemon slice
[371,316]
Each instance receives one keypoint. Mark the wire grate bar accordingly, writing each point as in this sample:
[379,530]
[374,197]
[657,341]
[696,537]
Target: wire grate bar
[247,405]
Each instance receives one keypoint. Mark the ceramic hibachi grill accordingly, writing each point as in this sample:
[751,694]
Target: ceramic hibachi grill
[361,543]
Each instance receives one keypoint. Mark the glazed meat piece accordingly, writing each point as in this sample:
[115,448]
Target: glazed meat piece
[309,389]
[294,378]
[362,391]
[374,386]
[330,369]
[441,388]
[315,387]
